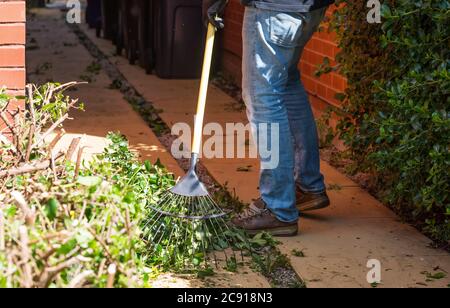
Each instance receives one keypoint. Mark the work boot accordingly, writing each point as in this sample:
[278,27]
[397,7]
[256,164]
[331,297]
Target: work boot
[258,218]
[311,201]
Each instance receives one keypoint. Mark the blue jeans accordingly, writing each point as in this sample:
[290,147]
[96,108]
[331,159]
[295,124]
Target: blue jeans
[274,94]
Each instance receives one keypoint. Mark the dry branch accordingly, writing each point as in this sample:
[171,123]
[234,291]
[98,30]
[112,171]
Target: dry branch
[80,279]
[29,168]
[73,146]
[55,140]
[30,142]
[25,255]
[112,270]
[78,164]
[51,129]
[28,213]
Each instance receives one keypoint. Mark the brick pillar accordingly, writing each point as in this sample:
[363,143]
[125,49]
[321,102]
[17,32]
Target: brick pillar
[12,45]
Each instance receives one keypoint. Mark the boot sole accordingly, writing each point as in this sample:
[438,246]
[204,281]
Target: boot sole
[314,205]
[281,231]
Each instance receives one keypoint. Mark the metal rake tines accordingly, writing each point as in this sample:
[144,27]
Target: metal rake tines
[194,208]
[187,232]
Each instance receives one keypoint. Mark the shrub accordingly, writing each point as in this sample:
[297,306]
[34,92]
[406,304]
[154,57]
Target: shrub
[62,225]
[84,224]
[397,105]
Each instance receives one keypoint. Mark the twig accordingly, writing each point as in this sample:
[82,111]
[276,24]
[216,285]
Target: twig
[78,164]
[53,166]
[63,235]
[102,243]
[6,106]
[55,140]
[79,280]
[129,232]
[10,269]
[112,270]
[49,94]
[31,102]
[29,168]
[73,146]
[28,213]
[63,265]
[25,255]
[30,142]
[49,253]
[17,117]
[10,127]
[104,246]
[50,130]
[51,272]
[101,268]
[5,183]
[65,86]
[3,117]
[83,210]
[71,105]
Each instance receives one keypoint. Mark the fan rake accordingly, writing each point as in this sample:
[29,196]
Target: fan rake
[186,228]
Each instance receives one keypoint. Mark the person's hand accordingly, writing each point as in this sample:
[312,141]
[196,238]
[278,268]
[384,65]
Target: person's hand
[213,12]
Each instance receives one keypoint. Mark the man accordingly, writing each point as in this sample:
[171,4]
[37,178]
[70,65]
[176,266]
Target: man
[274,35]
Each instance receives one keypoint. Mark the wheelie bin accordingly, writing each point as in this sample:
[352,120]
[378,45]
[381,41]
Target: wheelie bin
[146,34]
[94,15]
[110,19]
[179,39]
[127,38]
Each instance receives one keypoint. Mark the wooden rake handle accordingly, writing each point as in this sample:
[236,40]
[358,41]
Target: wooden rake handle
[201,105]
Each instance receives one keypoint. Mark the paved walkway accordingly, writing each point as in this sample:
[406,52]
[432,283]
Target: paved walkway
[55,54]
[337,242]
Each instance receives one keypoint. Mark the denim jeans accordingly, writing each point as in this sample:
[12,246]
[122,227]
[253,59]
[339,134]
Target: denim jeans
[274,94]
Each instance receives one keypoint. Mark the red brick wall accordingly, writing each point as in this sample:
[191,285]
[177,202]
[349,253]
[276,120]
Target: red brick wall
[12,45]
[12,52]
[322,90]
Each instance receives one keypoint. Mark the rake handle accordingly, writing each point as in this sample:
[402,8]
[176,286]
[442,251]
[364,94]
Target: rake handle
[201,105]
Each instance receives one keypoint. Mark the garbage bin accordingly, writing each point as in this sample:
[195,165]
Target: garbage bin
[128,26]
[94,15]
[110,19]
[179,39]
[146,33]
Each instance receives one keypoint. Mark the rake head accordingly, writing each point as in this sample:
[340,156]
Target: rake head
[190,185]
[187,229]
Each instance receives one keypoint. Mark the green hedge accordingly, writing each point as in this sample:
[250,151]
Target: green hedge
[397,105]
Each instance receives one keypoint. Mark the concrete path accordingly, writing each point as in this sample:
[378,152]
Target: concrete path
[55,54]
[338,242]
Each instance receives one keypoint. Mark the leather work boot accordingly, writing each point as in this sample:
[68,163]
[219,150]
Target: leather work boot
[310,201]
[258,218]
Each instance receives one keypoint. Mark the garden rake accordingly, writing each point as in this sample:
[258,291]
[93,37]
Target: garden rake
[186,227]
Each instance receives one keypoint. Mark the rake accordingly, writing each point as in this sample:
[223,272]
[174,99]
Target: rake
[186,227]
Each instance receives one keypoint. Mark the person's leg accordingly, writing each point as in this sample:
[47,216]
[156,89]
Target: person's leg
[301,118]
[272,46]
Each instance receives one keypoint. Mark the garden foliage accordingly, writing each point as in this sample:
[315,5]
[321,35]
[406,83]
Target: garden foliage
[397,105]
[66,225]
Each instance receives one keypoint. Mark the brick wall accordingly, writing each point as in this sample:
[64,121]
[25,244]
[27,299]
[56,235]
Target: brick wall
[322,90]
[12,45]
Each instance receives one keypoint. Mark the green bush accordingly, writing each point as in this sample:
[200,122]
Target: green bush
[397,105]
[86,223]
